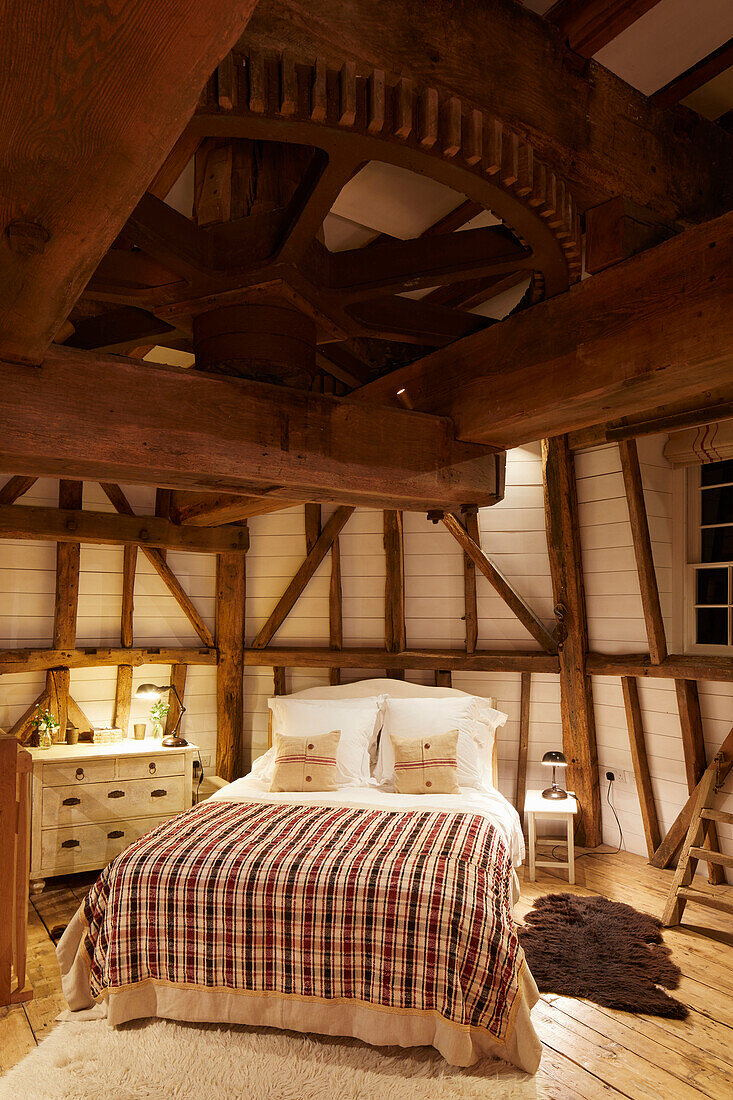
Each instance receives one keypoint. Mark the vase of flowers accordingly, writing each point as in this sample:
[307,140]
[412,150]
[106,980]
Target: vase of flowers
[46,727]
[159,713]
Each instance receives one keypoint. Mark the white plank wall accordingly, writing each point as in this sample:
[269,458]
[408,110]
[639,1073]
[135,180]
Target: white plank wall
[513,535]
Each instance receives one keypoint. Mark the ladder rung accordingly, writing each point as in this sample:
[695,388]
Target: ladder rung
[712,857]
[717,815]
[711,900]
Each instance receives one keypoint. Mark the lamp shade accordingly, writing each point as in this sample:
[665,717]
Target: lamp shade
[150,691]
[555,759]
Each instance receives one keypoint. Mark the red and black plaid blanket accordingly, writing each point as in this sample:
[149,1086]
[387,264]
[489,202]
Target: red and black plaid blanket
[408,910]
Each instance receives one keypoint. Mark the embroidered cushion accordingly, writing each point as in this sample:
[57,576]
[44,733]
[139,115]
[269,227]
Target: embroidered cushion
[426,765]
[306,763]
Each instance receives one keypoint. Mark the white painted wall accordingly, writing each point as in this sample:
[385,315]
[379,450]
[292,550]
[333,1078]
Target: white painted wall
[513,534]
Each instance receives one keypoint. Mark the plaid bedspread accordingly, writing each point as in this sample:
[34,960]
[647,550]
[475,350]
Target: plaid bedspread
[405,910]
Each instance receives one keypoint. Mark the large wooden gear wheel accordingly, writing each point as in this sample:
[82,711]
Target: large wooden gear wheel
[248,282]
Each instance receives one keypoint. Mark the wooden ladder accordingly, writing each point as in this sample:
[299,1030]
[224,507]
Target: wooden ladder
[703,814]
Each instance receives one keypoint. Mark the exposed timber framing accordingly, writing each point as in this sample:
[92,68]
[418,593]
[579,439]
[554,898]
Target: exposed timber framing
[179,674]
[166,574]
[473,531]
[297,585]
[520,791]
[312,519]
[665,853]
[75,525]
[637,744]
[576,697]
[333,446]
[670,308]
[607,137]
[443,678]
[589,25]
[618,229]
[279,681]
[22,660]
[693,746]
[455,660]
[211,510]
[230,600]
[633,484]
[15,488]
[500,584]
[677,666]
[65,608]
[136,88]
[693,78]
[394,586]
[711,406]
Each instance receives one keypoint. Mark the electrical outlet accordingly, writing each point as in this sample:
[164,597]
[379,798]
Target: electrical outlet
[206,759]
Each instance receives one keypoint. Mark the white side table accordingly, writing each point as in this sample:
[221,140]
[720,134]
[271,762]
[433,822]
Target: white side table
[566,808]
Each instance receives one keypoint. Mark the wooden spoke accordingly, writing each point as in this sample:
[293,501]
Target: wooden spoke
[409,265]
[322,184]
[169,237]
[414,321]
[119,330]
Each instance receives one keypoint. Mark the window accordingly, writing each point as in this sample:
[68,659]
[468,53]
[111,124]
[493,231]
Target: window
[710,555]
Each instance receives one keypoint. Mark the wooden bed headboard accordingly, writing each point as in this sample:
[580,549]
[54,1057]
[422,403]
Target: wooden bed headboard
[399,688]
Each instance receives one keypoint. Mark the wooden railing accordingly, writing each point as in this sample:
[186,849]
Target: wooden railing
[15,767]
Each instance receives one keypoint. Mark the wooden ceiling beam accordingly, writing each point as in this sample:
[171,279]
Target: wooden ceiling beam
[605,137]
[75,525]
[105,417]
[94,98]
[210,510]
[556,367]
[694,77]
[589,25]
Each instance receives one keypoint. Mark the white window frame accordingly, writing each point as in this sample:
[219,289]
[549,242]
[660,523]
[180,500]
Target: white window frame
[686,546]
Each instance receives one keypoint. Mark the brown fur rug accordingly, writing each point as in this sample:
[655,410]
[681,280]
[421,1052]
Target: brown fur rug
[602,951]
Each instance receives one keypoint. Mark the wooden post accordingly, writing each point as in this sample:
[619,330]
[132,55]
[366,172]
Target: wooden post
[643,550]
[443,678]
[522,752]
[576,699]
[178,679]
[230,595]
[123,689]
[693,747]
[395,638]
[65,608]
[279,684]
[470,515]
[637,744]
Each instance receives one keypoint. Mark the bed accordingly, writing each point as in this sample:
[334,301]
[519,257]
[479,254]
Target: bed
[357,911]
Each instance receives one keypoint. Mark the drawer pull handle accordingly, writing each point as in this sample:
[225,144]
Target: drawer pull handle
[158,794]
[151,768]
[115,834]
[71,802]
[115,794]
[70,844]
[79,773]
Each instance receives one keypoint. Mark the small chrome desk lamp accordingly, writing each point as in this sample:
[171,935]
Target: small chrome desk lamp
[154,691]
[557,760]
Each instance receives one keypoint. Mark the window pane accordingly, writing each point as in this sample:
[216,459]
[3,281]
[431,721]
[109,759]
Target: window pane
[712,625]
[716,473]
[717,505]
[717,544]
[712,586]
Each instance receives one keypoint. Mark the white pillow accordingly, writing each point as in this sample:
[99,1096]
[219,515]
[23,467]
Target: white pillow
[474,719]
[359,721]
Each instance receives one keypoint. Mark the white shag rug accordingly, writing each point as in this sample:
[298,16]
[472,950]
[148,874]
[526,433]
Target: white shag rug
[161,1059]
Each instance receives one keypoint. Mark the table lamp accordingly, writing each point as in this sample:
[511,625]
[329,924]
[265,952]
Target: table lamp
[555,759]
[154,691]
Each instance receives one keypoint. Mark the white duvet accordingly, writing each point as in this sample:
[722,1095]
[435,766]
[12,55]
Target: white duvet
[488,802]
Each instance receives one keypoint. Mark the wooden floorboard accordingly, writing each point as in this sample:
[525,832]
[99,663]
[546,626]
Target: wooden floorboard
[589,1052]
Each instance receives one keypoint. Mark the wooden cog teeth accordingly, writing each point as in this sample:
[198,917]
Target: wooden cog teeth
[445,126]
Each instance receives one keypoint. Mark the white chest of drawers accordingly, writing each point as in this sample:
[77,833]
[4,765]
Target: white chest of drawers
[89,802]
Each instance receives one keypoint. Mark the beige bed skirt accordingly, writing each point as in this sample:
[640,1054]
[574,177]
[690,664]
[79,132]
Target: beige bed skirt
[460,1045]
